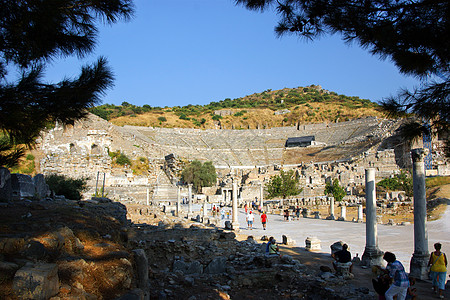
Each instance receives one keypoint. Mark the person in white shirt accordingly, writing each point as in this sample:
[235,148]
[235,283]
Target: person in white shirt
[250,218]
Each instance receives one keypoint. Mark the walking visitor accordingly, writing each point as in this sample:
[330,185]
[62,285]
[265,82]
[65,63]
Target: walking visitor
[438,270]
[264,220]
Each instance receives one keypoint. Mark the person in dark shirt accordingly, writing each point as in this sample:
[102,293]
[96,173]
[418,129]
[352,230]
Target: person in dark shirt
[343,257]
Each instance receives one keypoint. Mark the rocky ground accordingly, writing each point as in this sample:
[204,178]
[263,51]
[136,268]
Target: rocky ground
[88,249]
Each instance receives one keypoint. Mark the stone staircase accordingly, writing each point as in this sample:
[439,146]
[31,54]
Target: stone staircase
[164,191]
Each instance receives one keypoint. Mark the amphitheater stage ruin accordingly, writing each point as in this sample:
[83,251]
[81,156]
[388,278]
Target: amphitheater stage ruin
[340,150]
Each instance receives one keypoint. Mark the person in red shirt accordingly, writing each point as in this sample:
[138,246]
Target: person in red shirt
[264,220]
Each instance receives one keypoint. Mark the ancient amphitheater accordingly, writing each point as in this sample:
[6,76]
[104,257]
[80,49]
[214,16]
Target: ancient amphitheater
[263,147]
[340,150]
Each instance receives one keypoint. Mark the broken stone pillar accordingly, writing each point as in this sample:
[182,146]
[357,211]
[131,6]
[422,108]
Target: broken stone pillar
[343,213]
[224,197]
[205,210]
[331,217]
[312,244]
[287,240]
[22,187]
[343,270]
[372,255]
[42,189]
[178,201]
[36,281]
[235,222]
[142,280]
[419,260]
[360,213]
[5,185]
[190,198]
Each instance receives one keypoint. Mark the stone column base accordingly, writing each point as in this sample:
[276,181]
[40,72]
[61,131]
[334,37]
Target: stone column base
[235,226]
[418,266]
[372,257]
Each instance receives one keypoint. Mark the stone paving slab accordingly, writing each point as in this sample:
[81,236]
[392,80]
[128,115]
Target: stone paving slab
[396,239]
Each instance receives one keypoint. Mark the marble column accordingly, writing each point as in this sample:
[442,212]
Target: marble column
[360,213]
[224,197]
[178,201]
[190,198]
[372,255]
[205,210]
[235,221]
[331,215]
[343,213]
[261,194]
[419,260]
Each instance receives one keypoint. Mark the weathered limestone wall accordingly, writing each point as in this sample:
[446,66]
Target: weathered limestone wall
[253,156]
[82,150]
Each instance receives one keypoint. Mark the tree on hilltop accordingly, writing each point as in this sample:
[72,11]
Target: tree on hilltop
[412,34]
[32,33]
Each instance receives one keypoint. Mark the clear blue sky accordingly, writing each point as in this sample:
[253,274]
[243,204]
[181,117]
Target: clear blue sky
[180,52]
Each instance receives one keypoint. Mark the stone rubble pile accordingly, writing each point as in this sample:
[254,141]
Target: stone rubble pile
[183,261]
[55,249]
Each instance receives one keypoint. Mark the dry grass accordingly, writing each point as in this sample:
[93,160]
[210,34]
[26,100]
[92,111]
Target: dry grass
[438,181]
[252,118]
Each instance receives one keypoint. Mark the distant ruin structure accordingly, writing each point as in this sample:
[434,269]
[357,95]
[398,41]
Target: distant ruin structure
[303,141]
[335,150]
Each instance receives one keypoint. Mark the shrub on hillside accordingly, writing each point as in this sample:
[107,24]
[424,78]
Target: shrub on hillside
[122,160]
[184,117]
[68,187]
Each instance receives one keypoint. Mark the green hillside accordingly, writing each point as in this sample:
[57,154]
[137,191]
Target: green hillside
[285,107]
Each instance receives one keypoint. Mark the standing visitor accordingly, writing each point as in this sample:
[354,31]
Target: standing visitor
[438,270]
[297,212]
[250,218]
[264,220]
[222,213]
[396,271]
[286,214]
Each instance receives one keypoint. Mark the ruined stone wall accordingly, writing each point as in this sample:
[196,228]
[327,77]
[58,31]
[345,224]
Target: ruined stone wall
[253,156]
[81,150]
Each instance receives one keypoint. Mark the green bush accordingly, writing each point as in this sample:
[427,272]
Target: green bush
[400,182]
[184,117]
[162,119]
[68,187]
[122,160]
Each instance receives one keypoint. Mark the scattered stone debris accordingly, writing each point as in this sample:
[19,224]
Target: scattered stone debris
[95,252]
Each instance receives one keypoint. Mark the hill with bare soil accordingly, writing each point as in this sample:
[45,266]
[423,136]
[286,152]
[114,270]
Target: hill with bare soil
[285,107]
